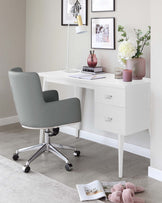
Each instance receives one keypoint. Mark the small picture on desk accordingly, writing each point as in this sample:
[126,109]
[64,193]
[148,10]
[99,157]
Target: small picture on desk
[103,33]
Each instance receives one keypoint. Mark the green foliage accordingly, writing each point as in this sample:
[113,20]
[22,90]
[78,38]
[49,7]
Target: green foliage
[142,40]
[123,34]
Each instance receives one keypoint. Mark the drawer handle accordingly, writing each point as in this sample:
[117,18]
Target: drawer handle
[108,96]
[108,119]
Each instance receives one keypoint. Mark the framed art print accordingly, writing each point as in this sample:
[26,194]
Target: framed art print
[70,9]
[102,5]
[103,33]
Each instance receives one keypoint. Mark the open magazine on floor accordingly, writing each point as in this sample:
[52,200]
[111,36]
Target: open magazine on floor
[95,190]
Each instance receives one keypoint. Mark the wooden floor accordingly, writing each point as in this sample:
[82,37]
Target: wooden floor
[96,161]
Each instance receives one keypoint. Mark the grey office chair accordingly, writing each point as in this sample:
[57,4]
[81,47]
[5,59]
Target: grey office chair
[42,110]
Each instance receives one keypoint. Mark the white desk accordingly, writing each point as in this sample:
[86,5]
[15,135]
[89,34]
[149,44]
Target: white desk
[120,107]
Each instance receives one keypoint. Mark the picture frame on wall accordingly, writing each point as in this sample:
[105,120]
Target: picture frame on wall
[102,5]
[103,33]
[70,9]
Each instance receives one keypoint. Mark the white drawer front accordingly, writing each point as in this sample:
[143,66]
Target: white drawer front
[113,96]
[109,118]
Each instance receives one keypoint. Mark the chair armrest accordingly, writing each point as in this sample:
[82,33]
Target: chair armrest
[50,96]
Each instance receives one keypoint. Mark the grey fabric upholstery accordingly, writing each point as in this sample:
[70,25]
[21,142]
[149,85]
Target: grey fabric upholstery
[50,95]
[39,109]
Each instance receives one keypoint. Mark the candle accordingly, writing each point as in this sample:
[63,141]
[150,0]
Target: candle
[127,75]
[118,74]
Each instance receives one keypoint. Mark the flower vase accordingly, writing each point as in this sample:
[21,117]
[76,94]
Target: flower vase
[92,60]
[138,67]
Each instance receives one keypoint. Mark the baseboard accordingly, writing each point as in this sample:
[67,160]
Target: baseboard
[8,120]
[92,137]
[155,173]
[141,151]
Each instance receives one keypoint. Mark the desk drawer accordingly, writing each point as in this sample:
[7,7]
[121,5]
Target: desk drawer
[113,96]
[109,118]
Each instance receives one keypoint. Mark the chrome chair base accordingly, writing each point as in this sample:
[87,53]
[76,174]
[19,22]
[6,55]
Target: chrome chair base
[46,147]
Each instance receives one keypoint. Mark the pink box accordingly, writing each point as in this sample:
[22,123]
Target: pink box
[127,75]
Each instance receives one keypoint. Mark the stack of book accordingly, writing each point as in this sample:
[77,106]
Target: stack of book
[97,69]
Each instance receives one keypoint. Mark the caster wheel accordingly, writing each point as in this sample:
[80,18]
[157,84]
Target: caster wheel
[15,157]
[68,167]
[76,153]
[26,169]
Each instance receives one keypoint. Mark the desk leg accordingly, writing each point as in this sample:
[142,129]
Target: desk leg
[44,85]
[41,134]
[78,92]
[120,155]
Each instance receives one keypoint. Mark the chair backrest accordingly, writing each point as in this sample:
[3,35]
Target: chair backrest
[27,94]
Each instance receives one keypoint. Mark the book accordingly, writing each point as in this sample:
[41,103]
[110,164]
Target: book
[93,70]
[91,191]
[87,76]
[95,190]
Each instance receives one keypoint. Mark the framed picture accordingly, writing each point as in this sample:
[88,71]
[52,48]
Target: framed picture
[102,5]
[70,9]
[103,33]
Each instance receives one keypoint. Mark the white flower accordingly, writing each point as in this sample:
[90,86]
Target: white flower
[126,50]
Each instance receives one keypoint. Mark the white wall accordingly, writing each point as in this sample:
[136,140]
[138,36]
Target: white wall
[46,44]
[156,72]
[12,48]
[46,38]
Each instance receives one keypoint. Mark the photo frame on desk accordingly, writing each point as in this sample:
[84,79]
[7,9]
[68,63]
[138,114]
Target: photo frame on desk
[70,9]
[103,33]
[102,6]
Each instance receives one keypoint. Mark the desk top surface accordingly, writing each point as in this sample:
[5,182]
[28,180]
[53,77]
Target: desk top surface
[63,77]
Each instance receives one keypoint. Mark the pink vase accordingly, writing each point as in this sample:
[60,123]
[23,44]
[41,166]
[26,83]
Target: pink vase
[138,67]
[92,60]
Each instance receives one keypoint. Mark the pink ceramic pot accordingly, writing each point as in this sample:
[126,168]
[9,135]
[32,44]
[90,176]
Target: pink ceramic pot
[138,67]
